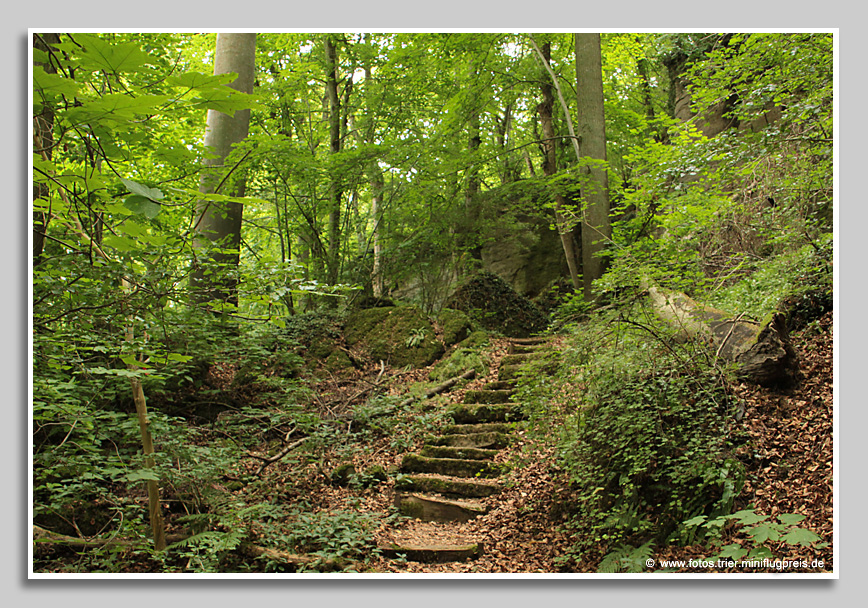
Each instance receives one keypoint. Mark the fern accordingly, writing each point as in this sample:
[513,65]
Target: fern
[626,559]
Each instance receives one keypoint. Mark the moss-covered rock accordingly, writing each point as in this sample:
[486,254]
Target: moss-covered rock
[457,363]
[491,302]
[399,335]
[338,361]
[477,339]
[343,475]
[456,325]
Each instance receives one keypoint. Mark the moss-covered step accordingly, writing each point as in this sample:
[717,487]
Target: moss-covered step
[435,451]
[482,427]
[432,508]
[508,373]
[521,359]
[447,486]
[497,385]
[453,467]
[488,396]
[471,414]
[529,341]
[432,554]
[521,349]
[489,440]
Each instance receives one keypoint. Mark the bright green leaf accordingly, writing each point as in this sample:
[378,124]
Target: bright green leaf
[790,519]
[733,551]
[111,55]
[142,206]
[142,475]
[136,188]
[764,532]
[748,517]
[800,536]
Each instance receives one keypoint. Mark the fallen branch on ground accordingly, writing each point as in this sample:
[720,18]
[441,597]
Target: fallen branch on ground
[272,459]
[41,536]
[293,559]
[440,388]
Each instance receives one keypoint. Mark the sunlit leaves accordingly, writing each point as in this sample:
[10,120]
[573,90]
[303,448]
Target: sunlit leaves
[144,199]
[113,56]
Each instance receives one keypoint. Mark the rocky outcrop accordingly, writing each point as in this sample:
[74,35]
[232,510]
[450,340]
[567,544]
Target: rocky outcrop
[496,306]
[398,335]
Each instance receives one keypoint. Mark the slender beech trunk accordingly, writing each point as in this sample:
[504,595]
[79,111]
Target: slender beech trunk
[596,228]
[220,223]
[545,110]
[155,514]
[334,103]
[375,179]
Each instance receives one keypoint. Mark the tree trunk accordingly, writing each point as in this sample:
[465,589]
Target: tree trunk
[596,227]
[375,179]
[546,110]
[43,140]
[220,223]
[762,352]
[376,182]
[334,103]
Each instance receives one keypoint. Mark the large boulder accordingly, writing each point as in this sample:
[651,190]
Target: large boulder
[496,306]
[398,335]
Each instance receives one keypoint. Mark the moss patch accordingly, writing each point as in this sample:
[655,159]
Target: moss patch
[456,325]
[399,335]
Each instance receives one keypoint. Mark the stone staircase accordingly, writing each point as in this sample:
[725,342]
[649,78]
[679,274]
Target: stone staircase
[454,471]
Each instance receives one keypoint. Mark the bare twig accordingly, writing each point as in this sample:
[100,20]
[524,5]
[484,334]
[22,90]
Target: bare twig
[728,334]
[278,456]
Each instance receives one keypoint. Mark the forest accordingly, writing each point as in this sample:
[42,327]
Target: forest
[382,304]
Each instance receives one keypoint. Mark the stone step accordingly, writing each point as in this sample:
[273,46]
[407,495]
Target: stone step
[521,349]
[447,486]
[435,451]
[522,358]
[428,507]
[472,414]
[528,341]
[452,467]
[508,373]
[481,427]
[432,554]
[497,385]
[487,440]
[488,396]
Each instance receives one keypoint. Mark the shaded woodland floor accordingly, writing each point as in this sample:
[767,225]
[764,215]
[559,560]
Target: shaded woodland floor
[788,457]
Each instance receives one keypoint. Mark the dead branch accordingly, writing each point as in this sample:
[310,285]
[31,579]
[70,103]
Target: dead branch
[276,457]
[47,537]
[294,559]
[440,388]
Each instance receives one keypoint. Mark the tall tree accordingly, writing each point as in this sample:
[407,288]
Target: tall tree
[549,144]
[219,223]
[334,114]
[596,226]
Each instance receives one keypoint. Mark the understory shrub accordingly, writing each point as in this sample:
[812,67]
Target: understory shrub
[646,443]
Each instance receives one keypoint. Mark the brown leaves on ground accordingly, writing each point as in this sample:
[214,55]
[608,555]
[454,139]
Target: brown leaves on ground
[789,452]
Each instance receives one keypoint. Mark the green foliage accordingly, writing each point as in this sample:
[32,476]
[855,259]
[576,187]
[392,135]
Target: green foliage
[791,280]
[626,559]
[333,535]
[760,530]
[646,442]
[741,220]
